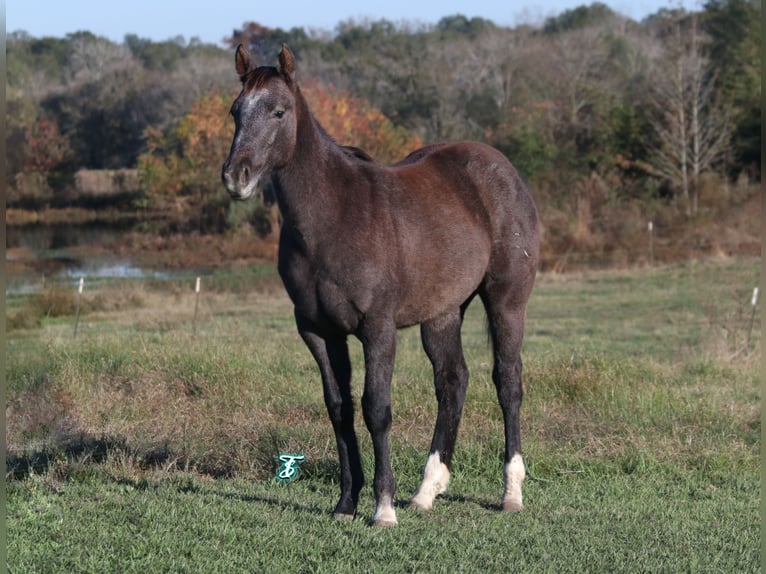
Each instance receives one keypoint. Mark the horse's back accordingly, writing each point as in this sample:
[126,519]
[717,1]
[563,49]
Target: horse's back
[481,176]
[480,164]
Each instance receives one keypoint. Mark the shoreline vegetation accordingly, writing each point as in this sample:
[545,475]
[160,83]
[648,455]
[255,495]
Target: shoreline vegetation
[610,236]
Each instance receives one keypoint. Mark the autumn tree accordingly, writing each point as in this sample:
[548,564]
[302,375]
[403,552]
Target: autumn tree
[353,121]
[47,155]
[181,168]
[45,148]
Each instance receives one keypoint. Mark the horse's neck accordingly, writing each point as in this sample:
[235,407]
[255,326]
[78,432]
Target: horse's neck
[306,196]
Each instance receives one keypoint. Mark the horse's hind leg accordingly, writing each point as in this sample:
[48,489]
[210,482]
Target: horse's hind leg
[441,340]
[506,307]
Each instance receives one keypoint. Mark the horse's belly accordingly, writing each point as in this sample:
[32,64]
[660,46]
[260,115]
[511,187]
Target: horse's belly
[440,284]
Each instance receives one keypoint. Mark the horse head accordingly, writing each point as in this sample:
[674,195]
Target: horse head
[265,123]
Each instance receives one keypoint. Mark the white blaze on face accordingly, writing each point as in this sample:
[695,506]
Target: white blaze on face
[513,476]
[249,101]
[385,515]
[435,481]
[240,141]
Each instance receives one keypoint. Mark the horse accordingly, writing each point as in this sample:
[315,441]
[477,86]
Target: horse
[366,249]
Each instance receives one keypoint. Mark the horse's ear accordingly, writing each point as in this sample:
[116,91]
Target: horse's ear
[287,64]
[242,62]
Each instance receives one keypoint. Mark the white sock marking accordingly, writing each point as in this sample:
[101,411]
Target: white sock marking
[513,476]
[385,515]
[435,481]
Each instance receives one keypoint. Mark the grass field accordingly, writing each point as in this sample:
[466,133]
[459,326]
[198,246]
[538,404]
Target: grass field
[137,447]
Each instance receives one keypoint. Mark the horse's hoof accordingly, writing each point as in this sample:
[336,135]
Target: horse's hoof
[384,523]
[420,505]
[341,516]
[512,506]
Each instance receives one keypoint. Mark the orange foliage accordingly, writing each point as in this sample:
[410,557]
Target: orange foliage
[45,148]
[352,121]
[189,156]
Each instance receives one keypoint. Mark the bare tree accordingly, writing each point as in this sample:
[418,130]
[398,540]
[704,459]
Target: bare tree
[710,129]
[691,127]
[92,57]
[578,58]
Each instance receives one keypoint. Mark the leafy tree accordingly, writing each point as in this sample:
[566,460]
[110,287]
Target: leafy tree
[734,28]
[107,116]
[20,117]
[578,18]
[460,24]
[527,147]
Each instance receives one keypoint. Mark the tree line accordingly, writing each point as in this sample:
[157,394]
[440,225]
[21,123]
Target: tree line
[590,106]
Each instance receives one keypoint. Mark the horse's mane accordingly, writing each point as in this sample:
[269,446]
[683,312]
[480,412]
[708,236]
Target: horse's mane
[357,153]
[257,78]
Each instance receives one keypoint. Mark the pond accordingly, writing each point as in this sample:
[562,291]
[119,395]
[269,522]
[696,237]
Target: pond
[37,254]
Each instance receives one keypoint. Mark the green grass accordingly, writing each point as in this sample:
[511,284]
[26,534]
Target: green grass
[139,448]
[618,523]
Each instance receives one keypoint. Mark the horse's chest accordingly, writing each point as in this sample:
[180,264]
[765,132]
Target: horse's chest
[325,298]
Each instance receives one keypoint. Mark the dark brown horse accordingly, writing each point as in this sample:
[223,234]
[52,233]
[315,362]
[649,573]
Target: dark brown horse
[366,249]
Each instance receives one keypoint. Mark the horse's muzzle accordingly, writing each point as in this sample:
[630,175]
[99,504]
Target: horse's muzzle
[239,179]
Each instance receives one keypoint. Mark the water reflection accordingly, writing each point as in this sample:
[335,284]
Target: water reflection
[57,236]
[40,254]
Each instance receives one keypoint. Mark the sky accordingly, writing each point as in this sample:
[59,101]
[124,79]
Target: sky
[211,21]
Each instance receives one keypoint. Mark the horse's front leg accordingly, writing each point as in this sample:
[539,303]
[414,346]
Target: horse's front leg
[379,343]
[331,354]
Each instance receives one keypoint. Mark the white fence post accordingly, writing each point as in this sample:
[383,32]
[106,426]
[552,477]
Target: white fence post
[79,299]
[196,307]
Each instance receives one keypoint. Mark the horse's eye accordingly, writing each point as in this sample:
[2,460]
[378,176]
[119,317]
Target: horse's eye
[279,114]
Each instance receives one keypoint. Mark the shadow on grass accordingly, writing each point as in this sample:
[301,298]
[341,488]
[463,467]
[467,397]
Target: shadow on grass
[76,450]
[462,499]
[39,461]
[95,451]
[277,503]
